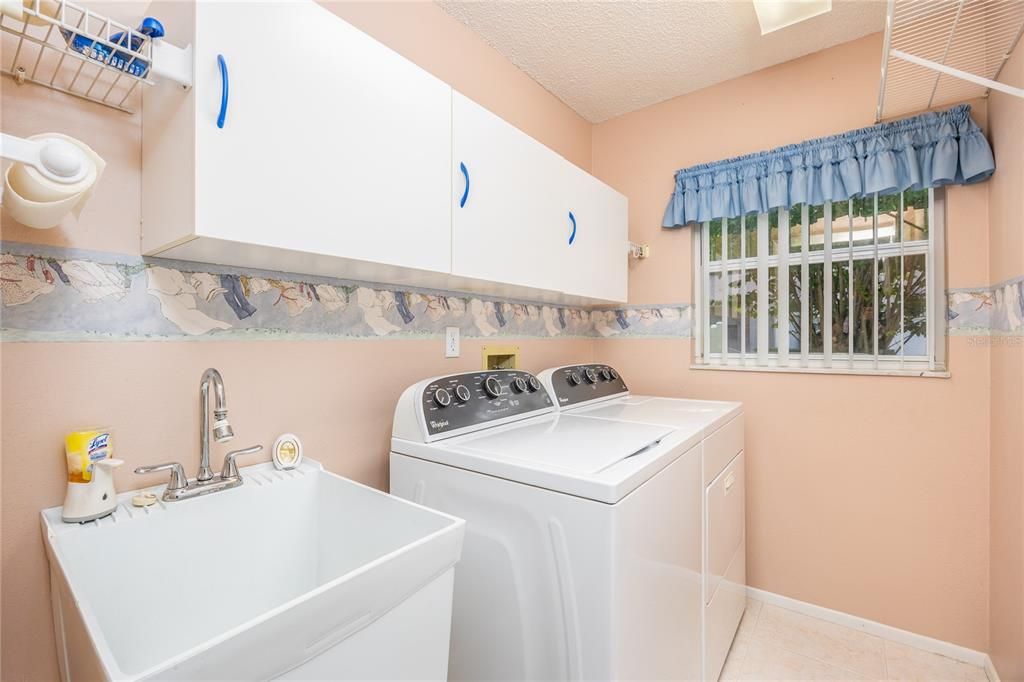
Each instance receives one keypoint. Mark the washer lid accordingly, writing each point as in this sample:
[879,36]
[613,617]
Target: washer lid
[701,417]
[573,444]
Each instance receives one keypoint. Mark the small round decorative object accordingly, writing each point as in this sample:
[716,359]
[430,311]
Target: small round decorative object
[287,451]
[143,500]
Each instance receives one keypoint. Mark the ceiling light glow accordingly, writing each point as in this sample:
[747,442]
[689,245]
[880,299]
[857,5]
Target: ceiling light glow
[776,14]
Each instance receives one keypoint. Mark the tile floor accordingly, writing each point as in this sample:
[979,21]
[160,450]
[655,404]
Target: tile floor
[777,644]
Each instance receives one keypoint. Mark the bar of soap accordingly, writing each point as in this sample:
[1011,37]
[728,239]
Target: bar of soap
[144,499]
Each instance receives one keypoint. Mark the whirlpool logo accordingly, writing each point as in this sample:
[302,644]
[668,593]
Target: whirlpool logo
[438,424]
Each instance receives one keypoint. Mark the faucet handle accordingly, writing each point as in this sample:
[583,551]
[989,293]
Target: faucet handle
[230,469]
[178,478]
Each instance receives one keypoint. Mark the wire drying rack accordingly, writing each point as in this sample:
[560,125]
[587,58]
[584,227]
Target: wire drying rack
[69,48]
[938,52]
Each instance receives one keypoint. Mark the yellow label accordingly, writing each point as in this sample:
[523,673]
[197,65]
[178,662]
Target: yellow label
[287,452]
[83,448]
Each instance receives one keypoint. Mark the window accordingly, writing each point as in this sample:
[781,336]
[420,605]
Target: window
[848,286]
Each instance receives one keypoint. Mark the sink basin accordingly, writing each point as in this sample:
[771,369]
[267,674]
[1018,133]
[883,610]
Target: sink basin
[296,574]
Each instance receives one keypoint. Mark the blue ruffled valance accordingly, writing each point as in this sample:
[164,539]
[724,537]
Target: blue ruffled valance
[929,150]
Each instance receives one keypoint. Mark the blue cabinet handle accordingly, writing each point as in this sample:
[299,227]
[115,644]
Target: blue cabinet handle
[572,237]
[223,90]
[465,192]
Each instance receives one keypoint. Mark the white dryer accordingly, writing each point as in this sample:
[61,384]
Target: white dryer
[599,391]
[582,552]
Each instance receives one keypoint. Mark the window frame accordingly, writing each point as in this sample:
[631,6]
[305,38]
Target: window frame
[933,363]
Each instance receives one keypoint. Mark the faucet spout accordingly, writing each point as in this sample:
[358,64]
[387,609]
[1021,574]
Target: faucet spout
[222,431]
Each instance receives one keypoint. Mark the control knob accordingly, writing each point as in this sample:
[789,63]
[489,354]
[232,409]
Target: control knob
[573,379]
[492,387]
[518,385]
[533,384]
[605,375]
[615,375]
[462,394]
[442,398]
[590,375]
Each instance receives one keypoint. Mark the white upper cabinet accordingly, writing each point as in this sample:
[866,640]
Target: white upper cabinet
[508,220]
[307,146]
[595,264]
[329,142]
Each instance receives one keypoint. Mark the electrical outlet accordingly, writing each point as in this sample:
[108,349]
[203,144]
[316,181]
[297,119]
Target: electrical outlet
[451,342]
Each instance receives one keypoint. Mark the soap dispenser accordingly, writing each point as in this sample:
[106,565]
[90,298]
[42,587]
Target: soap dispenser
[91,493]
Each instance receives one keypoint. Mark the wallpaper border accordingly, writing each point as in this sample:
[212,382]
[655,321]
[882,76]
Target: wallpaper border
[56,294]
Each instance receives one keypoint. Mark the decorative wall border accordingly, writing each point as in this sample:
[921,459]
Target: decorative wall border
[61,294]
[997,310]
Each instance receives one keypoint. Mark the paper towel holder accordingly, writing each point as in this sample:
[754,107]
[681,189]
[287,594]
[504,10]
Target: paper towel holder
[55,159]
[53,175]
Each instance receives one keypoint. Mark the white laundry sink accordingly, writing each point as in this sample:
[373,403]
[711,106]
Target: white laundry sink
[294,575]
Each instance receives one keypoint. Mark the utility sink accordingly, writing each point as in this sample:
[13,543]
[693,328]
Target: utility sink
[296,574]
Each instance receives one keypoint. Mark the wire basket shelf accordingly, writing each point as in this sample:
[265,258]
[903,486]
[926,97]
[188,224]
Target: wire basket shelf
[70,48]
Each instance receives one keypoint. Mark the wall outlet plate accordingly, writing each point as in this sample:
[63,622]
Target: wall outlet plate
[451,342]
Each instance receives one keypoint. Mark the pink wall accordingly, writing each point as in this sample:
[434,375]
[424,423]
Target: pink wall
[893,526]
[345,391]
[866,494]
[1006,207]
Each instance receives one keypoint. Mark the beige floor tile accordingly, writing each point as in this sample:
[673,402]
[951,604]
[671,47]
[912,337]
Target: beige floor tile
[733,667]
[767,661]
[829,643]
[749,621]
[907,663]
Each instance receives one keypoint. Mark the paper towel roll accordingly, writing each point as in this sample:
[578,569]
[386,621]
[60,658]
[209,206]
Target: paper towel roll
[36,201]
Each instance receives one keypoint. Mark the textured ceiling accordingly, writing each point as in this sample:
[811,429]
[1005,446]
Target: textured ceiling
[608,58]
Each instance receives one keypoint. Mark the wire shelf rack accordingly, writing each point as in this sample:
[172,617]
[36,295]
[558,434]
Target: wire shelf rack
[942,51]
[69,48]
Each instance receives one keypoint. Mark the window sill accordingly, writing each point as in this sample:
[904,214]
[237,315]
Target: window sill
[855,371]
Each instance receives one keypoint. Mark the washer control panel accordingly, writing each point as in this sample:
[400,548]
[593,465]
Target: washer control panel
[459,401]
[582,383]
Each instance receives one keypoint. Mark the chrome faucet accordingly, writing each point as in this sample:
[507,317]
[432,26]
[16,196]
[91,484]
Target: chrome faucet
[180,487]
[222,431]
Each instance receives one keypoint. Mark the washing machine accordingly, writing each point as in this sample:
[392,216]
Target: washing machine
[716,429]
[582,554]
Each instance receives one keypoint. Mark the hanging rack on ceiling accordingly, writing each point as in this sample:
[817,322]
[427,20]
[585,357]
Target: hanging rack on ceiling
[937,52]
[67,47]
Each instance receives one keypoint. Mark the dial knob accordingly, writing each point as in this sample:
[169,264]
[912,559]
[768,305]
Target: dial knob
[573,379]
[615,375]
[605,375]
[442,398]
[533,384]
[492,387]
[518,385]
[462,394]
[590,375]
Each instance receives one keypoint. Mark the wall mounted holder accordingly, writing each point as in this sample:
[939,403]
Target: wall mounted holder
[937,53]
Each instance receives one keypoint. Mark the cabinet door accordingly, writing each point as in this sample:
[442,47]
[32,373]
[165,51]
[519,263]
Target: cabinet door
[596,264]
[332,143]
[508,220]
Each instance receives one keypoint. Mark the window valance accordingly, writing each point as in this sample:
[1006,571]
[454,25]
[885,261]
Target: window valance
[929,150]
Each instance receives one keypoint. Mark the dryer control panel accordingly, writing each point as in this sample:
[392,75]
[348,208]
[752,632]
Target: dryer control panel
[459,401]
[577,384]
